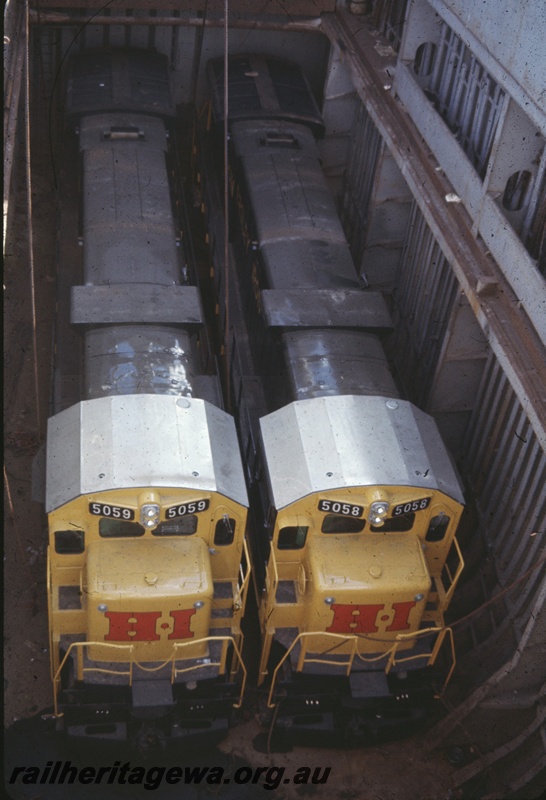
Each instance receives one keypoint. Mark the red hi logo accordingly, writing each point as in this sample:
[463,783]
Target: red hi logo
[364,618]
[140,626]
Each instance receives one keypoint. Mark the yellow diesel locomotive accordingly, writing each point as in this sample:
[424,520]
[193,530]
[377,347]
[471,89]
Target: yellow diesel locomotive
[354,555]
[145,493]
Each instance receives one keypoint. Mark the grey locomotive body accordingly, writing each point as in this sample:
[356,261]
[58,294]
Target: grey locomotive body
[299,283]
[132,266]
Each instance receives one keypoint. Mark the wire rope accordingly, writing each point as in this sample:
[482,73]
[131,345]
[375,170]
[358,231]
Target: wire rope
[30,236]
[226,205]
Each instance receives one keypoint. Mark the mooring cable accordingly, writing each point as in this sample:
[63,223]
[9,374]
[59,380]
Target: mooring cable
[30,236]
[226,207]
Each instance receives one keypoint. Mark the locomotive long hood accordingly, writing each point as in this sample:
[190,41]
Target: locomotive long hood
[335,442]
[142,440]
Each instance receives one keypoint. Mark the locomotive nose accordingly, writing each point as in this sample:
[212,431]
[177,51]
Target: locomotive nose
[371,585]
[149,594]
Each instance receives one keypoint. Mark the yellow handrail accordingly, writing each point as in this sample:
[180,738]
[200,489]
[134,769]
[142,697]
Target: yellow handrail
[339,636]
[273,562]
[50,613]
[432,656]
[454,581]
[391,654]
[239,601]
[226,640]
[303,659]
[78,646]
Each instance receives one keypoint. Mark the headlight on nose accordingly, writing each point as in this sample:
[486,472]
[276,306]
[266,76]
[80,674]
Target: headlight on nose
[378,512]
[149,515]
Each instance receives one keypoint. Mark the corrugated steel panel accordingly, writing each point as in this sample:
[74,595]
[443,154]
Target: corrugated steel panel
[504,463]
[388,17]
[507,468]
[424,298]
[358,181]
[467,98]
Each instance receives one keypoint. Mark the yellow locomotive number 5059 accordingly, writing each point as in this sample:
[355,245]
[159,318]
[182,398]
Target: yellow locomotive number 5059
[108,510]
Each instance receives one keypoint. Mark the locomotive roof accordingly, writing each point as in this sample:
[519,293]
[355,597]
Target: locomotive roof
[263,87]
[329,443]
[119,78]
[141,440]
[302,243]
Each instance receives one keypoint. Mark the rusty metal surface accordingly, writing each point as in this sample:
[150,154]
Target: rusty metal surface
[75,16]
[485,199]
[511,335]
[304,7]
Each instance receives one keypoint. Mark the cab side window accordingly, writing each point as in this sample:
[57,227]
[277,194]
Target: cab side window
[437,528]
[224,532]
[69,542]
[292,537]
